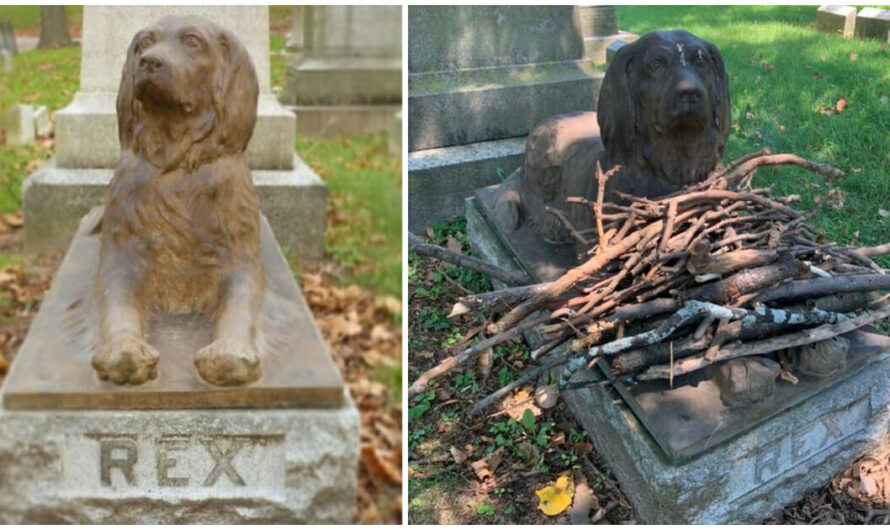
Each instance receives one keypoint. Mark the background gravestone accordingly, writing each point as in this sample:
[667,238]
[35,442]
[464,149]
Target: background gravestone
[345,71]
[479,79]
[837,20]
[873,23]
[56,197]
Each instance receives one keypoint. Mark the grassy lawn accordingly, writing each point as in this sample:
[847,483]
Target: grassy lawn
[364,232]
[783,74]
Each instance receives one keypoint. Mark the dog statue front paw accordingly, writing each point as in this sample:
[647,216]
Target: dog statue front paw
[128,360]
[228,362]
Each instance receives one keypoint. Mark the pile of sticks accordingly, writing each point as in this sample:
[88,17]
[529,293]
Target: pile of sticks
[716,271]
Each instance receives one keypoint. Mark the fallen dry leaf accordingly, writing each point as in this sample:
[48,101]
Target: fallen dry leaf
[458,455]
[556,498]
[585,502]
[841,105]
[480,467]
[546,396]
[379,466]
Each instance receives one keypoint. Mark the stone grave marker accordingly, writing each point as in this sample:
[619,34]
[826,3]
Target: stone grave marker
[345,74]
[61,192]
[7,38]
[599,25]
[873,23]
[480,78]
[42,123]
[837,20]
[7,61]
[18,123]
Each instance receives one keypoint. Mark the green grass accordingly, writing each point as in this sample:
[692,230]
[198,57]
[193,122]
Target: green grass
[364,233]
[28,17]
[39,77]
[782,72]
[277,62]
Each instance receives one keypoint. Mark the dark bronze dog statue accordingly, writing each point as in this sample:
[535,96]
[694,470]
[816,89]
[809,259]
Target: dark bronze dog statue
[181,227]
[663,115]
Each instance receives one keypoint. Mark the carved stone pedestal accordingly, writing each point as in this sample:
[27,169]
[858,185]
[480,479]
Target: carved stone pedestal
[74,449]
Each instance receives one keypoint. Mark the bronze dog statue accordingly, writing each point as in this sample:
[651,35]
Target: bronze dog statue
[663,115]
[181,228]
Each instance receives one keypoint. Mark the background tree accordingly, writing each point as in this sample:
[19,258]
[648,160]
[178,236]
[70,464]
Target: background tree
[53,27]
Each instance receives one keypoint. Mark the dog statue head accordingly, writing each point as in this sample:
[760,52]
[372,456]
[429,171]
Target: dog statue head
[188,94]
[664,107]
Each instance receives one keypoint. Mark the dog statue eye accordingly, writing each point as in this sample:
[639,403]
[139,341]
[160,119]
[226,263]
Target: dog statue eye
[192,41]
[657,64]
[145,42]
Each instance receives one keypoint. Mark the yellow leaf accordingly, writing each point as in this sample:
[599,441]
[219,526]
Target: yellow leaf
[555,499]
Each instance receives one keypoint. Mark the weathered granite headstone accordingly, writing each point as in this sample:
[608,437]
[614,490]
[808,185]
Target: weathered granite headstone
[599,25]
[42,123]
[395,135]
[345,76]
[18,123]
[837,20]
[58,195]
[7,61]
[7,38]
[480,78]
[873,23]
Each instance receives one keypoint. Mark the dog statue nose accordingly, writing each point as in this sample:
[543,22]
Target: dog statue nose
[689,91]
[150,63]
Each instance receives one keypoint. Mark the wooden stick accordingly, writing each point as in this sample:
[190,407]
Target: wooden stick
[800,338]
[568,280]
[824,286]
[467,262]
[420,384]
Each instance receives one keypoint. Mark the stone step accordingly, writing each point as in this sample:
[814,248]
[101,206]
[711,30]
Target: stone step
[344,81]
[86,133]
[319,121]
[440,179]
[55,199]
[481,104]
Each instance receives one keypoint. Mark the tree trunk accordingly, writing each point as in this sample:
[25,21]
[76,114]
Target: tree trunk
[53,27]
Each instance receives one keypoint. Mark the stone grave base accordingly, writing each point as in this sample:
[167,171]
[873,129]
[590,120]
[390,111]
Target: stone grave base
[335,120]
[222,466]
[750,477]
[439,179]
[55,199]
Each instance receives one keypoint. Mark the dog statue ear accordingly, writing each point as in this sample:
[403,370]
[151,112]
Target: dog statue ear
[722,115]
[235,96]
[616,112]
[126,100]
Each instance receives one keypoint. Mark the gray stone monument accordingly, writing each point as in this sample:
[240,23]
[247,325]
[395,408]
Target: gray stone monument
[58,195]
[837,20]
[873,23]
[480,78]
[18,123]
[345,74]
[599,25]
